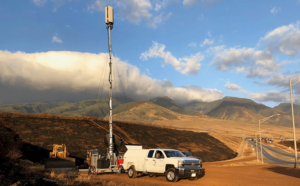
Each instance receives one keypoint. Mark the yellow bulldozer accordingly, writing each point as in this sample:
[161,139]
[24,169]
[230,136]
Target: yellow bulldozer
[59,158]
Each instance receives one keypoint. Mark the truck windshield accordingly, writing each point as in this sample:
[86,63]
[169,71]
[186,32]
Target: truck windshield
[173,153]
[186,153]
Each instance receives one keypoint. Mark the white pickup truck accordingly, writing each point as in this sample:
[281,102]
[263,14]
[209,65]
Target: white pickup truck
[172,163]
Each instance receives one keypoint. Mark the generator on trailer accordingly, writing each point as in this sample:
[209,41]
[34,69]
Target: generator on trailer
[101,163]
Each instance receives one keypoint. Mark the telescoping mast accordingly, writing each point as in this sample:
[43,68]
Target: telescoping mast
[109,20]
[100,163]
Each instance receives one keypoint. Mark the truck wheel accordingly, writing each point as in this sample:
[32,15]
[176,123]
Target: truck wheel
[171,175]
[131,172]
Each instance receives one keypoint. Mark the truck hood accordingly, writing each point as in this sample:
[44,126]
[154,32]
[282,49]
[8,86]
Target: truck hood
[184,158]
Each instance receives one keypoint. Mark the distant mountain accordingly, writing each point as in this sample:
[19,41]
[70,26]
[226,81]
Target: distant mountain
[286,107]
[240,103]
[203,107]
[160,108]
[240,109]
[172,105]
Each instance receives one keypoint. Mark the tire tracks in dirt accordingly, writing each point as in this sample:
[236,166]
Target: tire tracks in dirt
[129,139]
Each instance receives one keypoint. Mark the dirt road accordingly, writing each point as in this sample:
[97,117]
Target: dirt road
[218,175]
[240,171]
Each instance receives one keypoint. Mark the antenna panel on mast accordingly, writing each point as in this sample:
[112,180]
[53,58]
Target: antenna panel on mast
[109,15]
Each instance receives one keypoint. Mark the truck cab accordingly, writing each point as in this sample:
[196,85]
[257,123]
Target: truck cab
[169,162]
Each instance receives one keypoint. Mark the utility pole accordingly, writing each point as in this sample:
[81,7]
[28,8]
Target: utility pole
[256,139]
[295,142]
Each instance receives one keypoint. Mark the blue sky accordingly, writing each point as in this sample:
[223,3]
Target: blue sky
[186,49]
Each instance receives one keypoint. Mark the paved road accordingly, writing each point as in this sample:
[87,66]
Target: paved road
[275,155]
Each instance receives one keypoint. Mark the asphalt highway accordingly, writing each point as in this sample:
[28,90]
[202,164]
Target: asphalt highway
[275,155]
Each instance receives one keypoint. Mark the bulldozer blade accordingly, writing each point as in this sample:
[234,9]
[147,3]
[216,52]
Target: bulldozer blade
[60,164]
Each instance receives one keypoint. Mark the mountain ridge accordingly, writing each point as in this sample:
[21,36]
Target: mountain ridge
[227,108]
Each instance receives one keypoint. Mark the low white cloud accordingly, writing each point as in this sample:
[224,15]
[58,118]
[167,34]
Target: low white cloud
[275,10]
[203,2]
[253,63]
[207,42]
[240,69]
[136,10]
[256,63]
[189,2]
[232,87]
[98,5]
[186,65]
[260,72]
[56,39]
[274,96]
[231,57]
[75,72]
[39,2]
[284,39]
[160,4]
[192,44]
[282,81]
[156,20]
[244,92]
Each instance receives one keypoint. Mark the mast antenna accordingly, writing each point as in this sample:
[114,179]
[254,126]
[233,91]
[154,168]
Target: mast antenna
[109,20]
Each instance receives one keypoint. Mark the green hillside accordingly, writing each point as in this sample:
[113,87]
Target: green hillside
[172,105]
[142,111]
[93,107]
[37,107]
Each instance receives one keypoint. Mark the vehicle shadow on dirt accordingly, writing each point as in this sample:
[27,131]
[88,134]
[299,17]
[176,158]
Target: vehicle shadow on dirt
[288,171]
[161,175]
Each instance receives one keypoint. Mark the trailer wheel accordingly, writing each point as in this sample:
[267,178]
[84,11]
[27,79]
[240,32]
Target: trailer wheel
[171,175]
[131,172]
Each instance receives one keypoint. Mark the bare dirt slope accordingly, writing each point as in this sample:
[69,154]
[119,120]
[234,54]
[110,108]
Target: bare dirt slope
[82,133]
[232,128]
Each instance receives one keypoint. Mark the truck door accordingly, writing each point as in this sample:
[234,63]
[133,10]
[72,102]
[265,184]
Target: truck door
[149,161]
[159,162]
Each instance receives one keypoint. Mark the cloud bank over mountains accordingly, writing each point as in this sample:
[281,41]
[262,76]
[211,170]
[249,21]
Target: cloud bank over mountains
[77,73]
